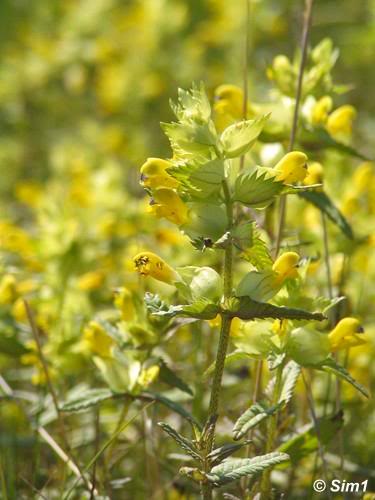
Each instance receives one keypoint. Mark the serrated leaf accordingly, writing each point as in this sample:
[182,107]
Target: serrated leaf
[290,376]
[258,254]
[325,204]
[256,190]
[208,221]
[87,399]
[248,309]
[307,441]
[238,138]
[200,309]
[259,285]
[233,469]
[252,417]
[199,180]
[331,366]
[183,442]
[172,405]
[219,454]
[169,377]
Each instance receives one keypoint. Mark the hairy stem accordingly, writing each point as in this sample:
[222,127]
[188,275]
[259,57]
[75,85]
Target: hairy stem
[265,486]
[293,132]
[223,343]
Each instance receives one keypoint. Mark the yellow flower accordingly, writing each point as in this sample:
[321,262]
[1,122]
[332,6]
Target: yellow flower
[96,339]
[315,174]
[286,266]
[90,281]
[150,264]
[321,109]
[123,300]
[8,289]
[291,168]
[29,193]
[148,375]
[154,174]
[18,311]
[363,177]
[166,203]
[340,122]
[229,99]
[345,334]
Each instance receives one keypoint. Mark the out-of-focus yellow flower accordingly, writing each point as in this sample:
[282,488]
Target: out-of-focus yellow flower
[123,300]
[154,174]
[8,289]
[291,168]
[15,239]
[91,280]
[315,174]
[350,204]
[19,311]
[96,340]
[346,334]
[280,326]
[150,264]
[148,375]
[340,122]
[321,109]
[29,193]
[166,203]
[286,266]
[168,236]
[363,177]
[229,99]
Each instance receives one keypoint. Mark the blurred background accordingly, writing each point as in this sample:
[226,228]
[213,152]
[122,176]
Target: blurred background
[84,85]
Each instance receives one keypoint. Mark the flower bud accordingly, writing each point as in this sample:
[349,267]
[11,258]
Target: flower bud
[286,266]
[346,334]
[340,122]
[321,109]
[315,174]
[154,174]
[206,283]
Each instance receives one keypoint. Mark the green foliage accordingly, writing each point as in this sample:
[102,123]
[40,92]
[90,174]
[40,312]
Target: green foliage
[256,190]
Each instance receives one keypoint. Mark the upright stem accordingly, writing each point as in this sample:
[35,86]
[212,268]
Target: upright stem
[223,342]
[293,132]
[271,431]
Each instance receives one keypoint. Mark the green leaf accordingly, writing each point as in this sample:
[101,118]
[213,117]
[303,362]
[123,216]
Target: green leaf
[199,181]
[256,190]
[331,366]
[252,417]
[259,285]
[239,137]
[290,376]
[307,441]
[248,309]
[11,346]
[258,254]
[87,399]
[320,139]
[172,405]
[208,221]
[235,468]
[201,309]
[182,441]
[242,235]
[219,454]
[325,204]
[169,377]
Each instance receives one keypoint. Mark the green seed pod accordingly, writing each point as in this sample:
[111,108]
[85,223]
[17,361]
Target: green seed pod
[206,283]
[308,347]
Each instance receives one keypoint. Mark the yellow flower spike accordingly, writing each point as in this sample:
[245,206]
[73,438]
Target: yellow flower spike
[123,301]
[286,266]
[154,174]
[166,203]
[96,340]
[321,109]
[315,174]
[346,334]
[291,168]
[150,264]
[340,121]
[229,99]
